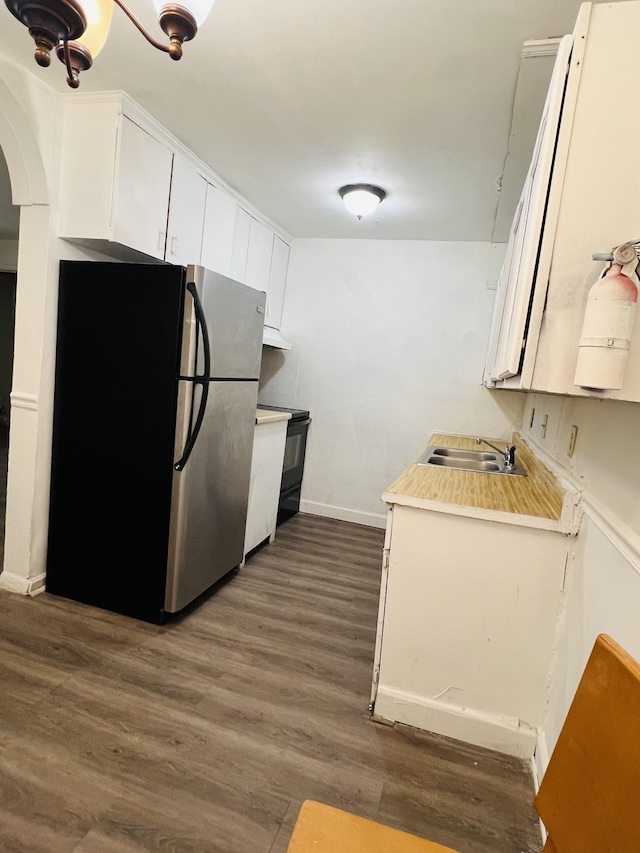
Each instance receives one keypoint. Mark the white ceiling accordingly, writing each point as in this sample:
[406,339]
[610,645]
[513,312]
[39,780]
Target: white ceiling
[288,100]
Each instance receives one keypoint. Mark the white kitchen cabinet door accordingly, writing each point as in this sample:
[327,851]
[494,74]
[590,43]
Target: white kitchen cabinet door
[141,191]
[264,489]
[240,245]
[186,213]
[277,282]
[259,256]
[115,180]
[218,234]
[522,266]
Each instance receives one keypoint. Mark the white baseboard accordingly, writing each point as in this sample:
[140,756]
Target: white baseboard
[504,734]
[540,760]
[23,586]
[343,514]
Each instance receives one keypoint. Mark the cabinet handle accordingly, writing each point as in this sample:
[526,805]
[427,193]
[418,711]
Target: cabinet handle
[161,241]
[174,245]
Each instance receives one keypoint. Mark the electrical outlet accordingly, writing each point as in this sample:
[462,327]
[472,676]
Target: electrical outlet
[572,440]
[543,426]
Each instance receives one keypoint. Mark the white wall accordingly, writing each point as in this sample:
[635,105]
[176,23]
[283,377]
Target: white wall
[603,593]
[389,340]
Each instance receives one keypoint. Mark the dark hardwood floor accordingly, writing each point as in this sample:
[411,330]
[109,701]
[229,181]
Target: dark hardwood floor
[206,733]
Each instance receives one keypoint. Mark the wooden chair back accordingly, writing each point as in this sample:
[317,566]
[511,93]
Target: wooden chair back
[589,797]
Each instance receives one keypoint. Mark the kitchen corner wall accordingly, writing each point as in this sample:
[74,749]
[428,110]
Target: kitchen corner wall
[389,342]
[603,589]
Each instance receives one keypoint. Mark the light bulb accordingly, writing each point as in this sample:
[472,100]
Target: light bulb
[98,14]
[361,199]
[198,8]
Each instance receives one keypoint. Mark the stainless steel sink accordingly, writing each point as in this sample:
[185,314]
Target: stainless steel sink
[469,460]
[478,455]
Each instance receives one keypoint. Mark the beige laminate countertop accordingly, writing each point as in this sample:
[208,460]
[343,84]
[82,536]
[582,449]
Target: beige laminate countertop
[269,416]
[537,500]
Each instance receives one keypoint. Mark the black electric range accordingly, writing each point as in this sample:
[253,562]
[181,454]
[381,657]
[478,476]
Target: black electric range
[293,465]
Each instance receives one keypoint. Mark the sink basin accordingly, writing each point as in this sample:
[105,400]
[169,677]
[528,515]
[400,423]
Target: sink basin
[493,466]
[457,453]
[469,460]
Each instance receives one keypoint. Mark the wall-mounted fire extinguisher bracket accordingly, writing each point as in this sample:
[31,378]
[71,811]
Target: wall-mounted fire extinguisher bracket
[608,320]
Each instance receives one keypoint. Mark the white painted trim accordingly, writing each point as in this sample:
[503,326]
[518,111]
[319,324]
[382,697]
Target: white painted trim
[621,536]
[23,586]
[566,525]
[540,47]
[20,149]
[540,760]
[504,734]
[24,401]
[343,514]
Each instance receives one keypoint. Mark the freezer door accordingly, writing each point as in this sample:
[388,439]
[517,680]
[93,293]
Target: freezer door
[210,495]
[234,318]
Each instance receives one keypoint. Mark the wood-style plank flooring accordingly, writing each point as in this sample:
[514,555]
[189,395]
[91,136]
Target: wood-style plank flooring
[206,733]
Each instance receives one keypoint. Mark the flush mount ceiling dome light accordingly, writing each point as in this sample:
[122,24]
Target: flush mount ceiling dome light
[361,199]
[78,29]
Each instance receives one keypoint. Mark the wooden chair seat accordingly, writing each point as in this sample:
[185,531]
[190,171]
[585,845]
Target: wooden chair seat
[324,829]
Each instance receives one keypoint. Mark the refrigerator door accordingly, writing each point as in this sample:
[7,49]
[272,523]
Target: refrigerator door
[118,350]
[210,495]
[234,315]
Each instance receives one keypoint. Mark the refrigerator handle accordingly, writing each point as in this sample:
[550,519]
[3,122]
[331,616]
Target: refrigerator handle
[202,380]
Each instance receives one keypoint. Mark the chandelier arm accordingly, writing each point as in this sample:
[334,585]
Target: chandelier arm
[72,77]
[140,28]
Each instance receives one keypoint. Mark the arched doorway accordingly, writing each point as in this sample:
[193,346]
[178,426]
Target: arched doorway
[26,496]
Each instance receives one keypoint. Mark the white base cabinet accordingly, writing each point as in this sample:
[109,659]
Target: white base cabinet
[468,613]
[264,489]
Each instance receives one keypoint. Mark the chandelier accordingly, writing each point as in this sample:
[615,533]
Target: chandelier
[78,29]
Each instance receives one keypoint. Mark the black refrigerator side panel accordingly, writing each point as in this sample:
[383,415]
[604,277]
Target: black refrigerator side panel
[118,345]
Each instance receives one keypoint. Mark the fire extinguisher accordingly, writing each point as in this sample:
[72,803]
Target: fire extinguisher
[608,321]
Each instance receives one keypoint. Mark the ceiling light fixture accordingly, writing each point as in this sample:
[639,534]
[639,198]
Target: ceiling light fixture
[361,199]
[78,29]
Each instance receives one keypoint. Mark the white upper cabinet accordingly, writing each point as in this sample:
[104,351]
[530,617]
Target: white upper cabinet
[277,281]
[590,206]
[186,213]
[142,187]
[219,226]
[522,262]
[259,256]
[240,245]
[130,190]
[115,182]
[267,259]
[526,266]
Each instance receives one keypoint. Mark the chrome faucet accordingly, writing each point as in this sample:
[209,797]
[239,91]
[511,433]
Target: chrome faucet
[508,452]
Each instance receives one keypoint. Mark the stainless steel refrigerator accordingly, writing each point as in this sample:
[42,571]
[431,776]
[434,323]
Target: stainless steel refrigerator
[156,386]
